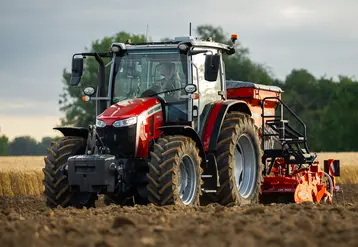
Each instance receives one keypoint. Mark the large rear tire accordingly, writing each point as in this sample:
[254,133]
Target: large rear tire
[174,176]
[239,161]
[57,190]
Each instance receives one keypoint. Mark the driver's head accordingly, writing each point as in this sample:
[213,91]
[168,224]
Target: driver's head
[167,69]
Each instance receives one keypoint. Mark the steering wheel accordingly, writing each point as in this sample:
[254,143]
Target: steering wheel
[153,90]
[170,87]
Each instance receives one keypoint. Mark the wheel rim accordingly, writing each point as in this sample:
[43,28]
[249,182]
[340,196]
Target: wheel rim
[187,180]
[245,166]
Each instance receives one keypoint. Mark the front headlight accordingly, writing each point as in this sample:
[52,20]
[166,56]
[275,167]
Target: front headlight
[100,123]
[125,122]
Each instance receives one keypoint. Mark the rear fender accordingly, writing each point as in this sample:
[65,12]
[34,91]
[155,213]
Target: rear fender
[73,131]
[216,118]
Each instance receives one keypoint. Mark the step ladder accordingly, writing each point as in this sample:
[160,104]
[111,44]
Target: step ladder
[293,143]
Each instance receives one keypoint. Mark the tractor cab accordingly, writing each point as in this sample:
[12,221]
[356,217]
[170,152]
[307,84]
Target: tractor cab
[153,72]
[185,74]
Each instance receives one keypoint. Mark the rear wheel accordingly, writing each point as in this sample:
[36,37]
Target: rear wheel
[174,176]
[57,190]
[239,161]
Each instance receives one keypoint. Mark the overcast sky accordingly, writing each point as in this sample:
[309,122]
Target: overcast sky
[38,38]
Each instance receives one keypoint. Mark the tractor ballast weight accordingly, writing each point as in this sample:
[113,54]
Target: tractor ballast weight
[170,129]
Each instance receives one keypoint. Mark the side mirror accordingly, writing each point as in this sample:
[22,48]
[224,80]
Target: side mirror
[77,69]
[89,91]
[212,63]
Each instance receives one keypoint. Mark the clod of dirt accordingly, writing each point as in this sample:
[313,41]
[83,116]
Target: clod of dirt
[6,212]
[255,210]
[299,241]
[162,219]
[304,223]
[9,229]
[14,216]
[122,221]
[274,241]
[255,232]
[158,229]
[70,228]
[147,241]
[103,243]
[46,228]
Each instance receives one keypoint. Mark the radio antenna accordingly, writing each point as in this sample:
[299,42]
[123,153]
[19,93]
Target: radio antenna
[146,33]
[189,28]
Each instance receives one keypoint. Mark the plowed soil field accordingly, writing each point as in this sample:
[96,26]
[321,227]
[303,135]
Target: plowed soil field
[26,221]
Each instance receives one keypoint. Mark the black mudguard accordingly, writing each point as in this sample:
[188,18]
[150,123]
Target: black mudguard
[73,131]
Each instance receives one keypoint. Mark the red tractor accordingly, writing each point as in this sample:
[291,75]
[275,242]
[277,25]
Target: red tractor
[170,130]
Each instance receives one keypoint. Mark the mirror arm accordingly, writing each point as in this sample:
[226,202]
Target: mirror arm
[102,85]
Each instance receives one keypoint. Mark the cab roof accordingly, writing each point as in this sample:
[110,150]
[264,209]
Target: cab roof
[189,40]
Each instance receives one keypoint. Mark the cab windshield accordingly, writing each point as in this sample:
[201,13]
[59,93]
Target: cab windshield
[145,72]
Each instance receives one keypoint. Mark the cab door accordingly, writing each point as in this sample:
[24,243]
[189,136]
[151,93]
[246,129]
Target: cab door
[209,91]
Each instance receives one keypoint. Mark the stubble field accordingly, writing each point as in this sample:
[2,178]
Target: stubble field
[26,221]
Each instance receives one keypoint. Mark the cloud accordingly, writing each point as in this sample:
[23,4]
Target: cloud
[39,37]
[33,108]
[296,12]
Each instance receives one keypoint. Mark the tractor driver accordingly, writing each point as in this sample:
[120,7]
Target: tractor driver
[171,81]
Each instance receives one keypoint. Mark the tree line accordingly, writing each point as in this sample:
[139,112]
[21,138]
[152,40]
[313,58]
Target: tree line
[325,105]
[24,146]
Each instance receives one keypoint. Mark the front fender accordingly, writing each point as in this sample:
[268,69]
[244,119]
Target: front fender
[73,131]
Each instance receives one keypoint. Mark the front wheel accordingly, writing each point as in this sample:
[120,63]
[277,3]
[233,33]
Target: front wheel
[174,176]
[239,161]
[57,190]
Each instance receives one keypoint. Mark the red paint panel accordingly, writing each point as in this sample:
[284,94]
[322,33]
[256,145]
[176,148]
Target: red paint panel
[210,124]
[256,112]
[253,96]
[279,184]
[144,133]
[126,109]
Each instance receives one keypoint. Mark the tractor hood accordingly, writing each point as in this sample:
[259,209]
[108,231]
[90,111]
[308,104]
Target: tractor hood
[138,107]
